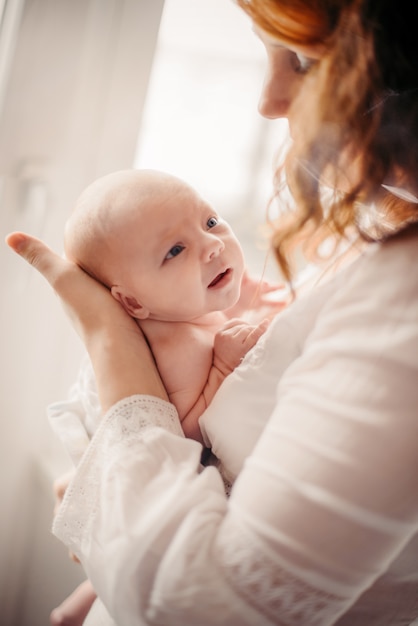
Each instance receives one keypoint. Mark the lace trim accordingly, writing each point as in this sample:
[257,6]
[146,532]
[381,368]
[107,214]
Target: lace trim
[121,425]
[137,413]
[257,576]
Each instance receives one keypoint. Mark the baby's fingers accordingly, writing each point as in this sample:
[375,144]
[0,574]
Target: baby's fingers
[234,323]
[267,287]
[255,333]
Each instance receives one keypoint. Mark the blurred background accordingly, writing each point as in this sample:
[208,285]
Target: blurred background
[88,87]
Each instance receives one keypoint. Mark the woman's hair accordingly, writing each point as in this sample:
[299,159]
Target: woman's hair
[297,22]
[357,112]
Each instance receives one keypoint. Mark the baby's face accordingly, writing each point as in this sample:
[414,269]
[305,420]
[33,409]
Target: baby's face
[178,259]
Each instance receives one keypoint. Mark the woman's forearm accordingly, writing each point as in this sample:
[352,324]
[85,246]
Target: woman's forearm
[123,365]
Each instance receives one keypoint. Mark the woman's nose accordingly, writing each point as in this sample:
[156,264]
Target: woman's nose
[280,87]
[272,103]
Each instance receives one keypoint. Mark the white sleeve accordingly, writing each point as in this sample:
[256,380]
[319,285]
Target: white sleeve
[174,554]
[177,552]
[324,503]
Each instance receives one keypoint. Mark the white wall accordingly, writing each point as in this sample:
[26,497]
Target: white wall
[71,98]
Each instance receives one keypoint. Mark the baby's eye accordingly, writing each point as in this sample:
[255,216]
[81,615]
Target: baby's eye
[174,251]
[212,222]
[303,64]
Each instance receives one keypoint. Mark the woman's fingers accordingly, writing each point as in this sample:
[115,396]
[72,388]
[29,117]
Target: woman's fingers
[76,288]
[122,361]
[31,249]
[37,254]
[59,488]
[84,299]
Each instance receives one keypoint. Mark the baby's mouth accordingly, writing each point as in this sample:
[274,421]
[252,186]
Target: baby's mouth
[219,278]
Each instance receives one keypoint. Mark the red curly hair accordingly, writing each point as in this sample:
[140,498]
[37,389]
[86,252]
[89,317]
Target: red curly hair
[358,105]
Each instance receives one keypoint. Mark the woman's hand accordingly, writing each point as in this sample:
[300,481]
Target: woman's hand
[122,361]
[59,488]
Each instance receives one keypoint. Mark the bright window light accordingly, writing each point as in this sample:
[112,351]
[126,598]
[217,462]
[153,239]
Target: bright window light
[201,120]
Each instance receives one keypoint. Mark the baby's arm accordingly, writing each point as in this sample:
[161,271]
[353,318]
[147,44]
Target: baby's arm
[232,342]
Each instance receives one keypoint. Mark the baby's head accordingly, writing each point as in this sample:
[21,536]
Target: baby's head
[159,247]
[102,222]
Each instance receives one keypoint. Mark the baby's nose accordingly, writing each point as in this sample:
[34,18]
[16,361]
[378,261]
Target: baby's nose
[214,246]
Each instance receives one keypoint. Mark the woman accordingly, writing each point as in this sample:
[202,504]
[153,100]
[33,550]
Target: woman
[322,523]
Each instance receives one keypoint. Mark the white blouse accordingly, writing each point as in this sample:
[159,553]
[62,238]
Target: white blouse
[320,426]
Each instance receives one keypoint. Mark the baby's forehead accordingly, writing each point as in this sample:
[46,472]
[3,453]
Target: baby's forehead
[172,204]
[145,209]
[167,216]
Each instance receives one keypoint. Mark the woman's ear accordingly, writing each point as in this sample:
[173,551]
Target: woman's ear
[129,303]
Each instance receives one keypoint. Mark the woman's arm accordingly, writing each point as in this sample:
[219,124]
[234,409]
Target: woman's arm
[322,506]
[122,361]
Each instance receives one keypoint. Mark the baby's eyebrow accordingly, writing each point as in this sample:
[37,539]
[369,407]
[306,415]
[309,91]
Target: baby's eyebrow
[165,238]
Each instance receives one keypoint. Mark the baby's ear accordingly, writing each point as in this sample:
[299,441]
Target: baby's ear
[129,303]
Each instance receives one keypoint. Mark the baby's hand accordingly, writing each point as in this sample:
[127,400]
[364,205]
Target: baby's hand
[233,341]
[259,299]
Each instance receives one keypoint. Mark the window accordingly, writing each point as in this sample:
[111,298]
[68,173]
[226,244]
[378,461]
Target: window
[200,119]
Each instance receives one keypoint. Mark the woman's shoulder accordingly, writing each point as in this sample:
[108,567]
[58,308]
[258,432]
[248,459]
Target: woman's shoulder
[369,313]
[386,270]
[373,276]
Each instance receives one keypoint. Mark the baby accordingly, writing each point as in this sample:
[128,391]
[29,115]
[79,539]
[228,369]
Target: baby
[177,268]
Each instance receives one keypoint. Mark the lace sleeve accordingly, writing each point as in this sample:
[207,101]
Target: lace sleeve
[140,504]
[119,429]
